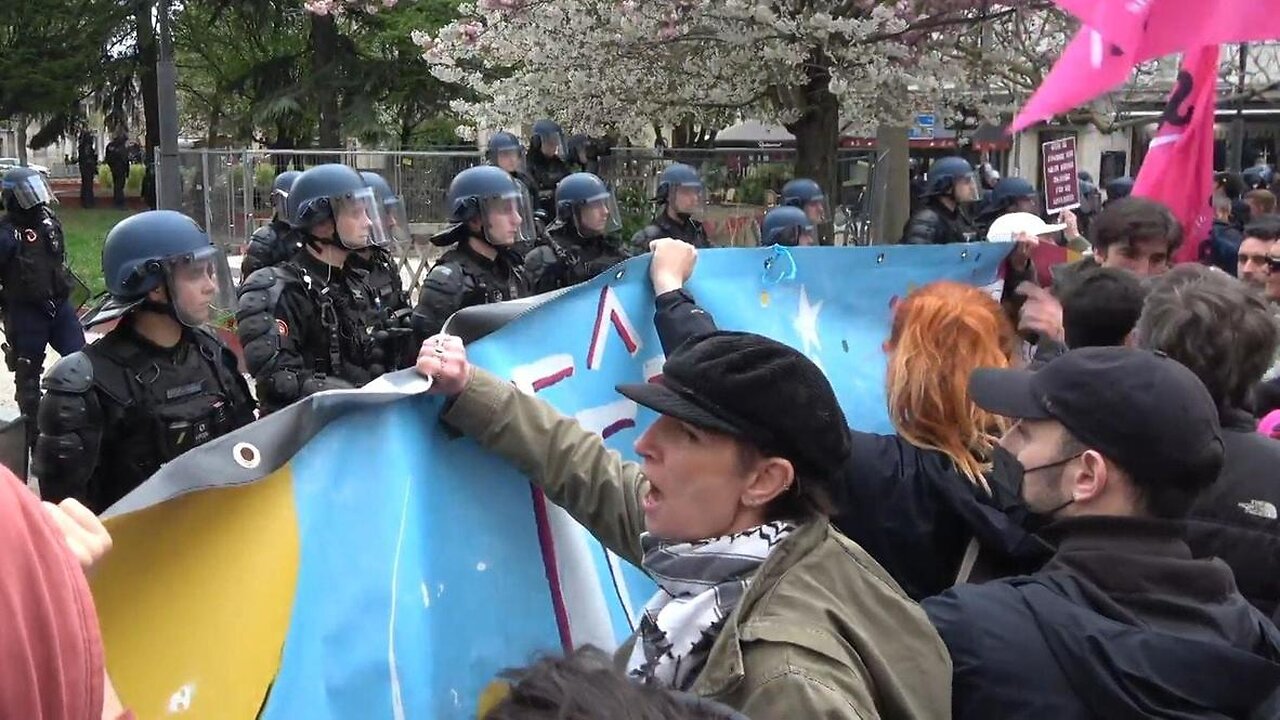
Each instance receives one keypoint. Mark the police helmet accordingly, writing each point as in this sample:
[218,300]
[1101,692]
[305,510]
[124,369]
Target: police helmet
[578,190]
[23,189]
[801,192]
[1118,188]
[1010,190]
[676,175]
[280,188]
[137,248]
[1085,177]
[943,174]
[501,142]
[314,191]
[545,130]
[469,192]
[381,188]
[784,225]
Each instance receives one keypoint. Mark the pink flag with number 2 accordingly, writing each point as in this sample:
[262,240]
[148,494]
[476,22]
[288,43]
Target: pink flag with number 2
[1178,169]
[1118,34]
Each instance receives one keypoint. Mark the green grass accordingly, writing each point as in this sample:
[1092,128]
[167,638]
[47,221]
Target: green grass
[85,231]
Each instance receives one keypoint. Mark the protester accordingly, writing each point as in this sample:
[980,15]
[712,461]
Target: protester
[803,623]
[1101,309]
[585,686]
[1261,202]
[1225,333]
[1254,257]
[1115,445]
[50,643]
[1133,234]
[919,500]
[1223,244]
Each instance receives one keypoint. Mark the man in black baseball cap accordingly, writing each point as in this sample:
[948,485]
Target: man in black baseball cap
[1113,445]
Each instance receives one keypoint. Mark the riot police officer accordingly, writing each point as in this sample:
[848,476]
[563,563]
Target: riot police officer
[788,226]
[157,385]
[37,286]
[807,195]
[274,242]
[490,213]
[546,163]
[1118,188]
[944,219]
[505,151]
[305,324]
[1010,195]
[680,195]
[375,266]
[583,241]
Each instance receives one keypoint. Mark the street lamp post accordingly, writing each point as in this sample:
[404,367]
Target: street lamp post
[168,178]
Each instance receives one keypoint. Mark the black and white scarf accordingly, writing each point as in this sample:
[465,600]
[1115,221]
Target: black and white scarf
[699,585]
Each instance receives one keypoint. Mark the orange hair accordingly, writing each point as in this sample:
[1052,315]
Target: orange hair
[942,333]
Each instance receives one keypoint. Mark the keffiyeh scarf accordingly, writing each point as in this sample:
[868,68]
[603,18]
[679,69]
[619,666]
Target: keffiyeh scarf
[699,585]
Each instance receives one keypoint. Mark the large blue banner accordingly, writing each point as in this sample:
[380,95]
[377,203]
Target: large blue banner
[426,566]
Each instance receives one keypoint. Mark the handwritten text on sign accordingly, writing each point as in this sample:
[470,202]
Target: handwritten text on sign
[1061,179]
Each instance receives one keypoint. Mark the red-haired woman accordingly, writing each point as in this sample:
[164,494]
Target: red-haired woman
[928,502]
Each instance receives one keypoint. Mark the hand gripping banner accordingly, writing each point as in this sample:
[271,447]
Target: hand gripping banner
[350,557]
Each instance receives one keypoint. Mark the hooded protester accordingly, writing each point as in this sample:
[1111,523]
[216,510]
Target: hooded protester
[761,604]
[919,500]
[1114,444]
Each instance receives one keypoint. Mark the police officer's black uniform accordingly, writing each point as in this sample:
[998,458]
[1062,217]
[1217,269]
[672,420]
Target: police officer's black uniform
[936,224]
[269,245]
[306,325]
[464,276]
[388,309]
[569,258]
[36,286]
[116,411]
[663,226]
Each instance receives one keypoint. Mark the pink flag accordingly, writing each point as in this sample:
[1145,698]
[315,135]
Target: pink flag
[1113,39]
[1178,169]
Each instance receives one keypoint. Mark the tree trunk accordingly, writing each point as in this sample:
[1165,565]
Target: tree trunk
[21,127]
[817,134]
[147,57]
[324,49]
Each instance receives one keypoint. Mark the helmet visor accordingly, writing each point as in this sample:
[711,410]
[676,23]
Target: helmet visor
[551,144]
[508,218]
[598,216]
[280,204]
[509,159]
[689,198]
[358,221]
[793,236]
[816,209]
[199,286]
[396,222]
[31,191]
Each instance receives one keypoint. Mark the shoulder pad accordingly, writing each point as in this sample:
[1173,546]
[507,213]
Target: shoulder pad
[274,278]
[445,277]
[266,233]
[71,374]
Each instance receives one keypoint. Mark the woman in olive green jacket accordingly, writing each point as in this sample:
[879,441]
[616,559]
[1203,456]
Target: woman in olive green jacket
[762,605]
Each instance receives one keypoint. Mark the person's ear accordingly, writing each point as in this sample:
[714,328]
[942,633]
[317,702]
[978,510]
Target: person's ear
[1090,478]
[771,477]
[159,295]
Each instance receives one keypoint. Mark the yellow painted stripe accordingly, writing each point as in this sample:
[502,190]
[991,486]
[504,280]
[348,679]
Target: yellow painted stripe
[195,600]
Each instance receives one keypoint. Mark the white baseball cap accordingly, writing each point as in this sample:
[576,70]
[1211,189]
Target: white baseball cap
[1007,227]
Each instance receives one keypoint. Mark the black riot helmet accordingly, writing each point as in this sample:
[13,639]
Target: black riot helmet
[24,189]
[337,193]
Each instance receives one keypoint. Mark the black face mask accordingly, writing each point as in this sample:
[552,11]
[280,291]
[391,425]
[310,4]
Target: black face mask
[1010,476]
